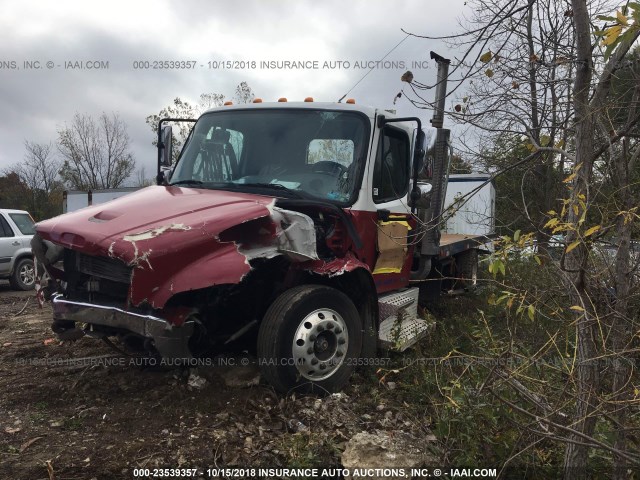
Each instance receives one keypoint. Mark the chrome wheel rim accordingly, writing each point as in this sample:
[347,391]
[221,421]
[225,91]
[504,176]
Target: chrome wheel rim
[320,344]
[27,274]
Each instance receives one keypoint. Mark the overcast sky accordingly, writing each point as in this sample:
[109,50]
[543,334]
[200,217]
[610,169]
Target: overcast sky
[35,102]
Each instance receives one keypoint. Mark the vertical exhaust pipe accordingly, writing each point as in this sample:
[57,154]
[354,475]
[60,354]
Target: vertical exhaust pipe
[431,240]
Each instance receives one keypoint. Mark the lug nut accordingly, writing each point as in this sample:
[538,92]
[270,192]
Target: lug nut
[342,341]
[310,350]
[312,338]
[338,330]
[319,328]
[322,366]
[314,361]
[339,353]
[330,326]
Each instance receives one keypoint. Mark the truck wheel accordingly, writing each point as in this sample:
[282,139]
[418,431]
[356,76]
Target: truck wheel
[310,340]
[467,268]
[24,275]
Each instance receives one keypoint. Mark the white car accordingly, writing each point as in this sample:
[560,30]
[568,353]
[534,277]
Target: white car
[16,260]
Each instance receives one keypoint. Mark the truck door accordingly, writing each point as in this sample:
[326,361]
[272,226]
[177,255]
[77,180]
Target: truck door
[389,189]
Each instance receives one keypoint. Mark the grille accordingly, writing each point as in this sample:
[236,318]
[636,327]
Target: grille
[104,267]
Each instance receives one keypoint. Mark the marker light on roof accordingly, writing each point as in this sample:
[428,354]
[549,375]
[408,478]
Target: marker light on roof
[257,100]
[282,99]
[228,103]
[308,99]
[351,101]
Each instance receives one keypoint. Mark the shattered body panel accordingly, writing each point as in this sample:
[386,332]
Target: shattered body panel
[366,223]
[174,238]
[337,266]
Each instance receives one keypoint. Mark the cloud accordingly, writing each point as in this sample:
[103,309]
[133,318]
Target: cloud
[35,103]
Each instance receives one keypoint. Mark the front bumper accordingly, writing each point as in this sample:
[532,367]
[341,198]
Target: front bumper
[171,342]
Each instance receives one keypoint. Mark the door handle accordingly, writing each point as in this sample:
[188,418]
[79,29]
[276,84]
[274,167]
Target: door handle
[16,243]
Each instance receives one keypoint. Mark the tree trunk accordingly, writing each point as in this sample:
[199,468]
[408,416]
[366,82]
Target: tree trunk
[586,370]
[621,323]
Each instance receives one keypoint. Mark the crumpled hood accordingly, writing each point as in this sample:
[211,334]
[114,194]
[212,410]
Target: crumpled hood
[157,218]
[180,239]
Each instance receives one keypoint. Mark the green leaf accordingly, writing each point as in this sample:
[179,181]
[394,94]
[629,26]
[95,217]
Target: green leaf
[573,245]
[486,57]
[612,35]
[531,311]
[552,223]
[606,18]
[488,72]
[622,19]
[577,308]
[609,51]
[591,231]
[516,235]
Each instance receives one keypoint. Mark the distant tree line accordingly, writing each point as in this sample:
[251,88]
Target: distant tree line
[90,153]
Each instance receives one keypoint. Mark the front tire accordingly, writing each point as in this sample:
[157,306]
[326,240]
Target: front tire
[24,275]
[310,340]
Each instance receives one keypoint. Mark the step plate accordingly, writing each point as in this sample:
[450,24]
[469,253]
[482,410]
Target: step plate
[389,305]
[400,336]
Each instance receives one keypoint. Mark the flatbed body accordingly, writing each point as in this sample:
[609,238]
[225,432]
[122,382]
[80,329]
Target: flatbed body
[454,243]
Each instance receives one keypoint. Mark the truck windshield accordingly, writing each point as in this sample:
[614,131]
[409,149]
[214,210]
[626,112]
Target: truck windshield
[280,152]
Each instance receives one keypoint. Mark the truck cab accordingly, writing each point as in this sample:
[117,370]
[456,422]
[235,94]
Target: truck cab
[298,225]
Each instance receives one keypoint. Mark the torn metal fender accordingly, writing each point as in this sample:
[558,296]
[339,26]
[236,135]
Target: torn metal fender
[289,233]
[282,232]
[337,266]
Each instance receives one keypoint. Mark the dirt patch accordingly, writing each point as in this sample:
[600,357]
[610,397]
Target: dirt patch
[88,412]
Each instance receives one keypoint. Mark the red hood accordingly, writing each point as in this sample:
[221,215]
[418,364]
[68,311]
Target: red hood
[158,218]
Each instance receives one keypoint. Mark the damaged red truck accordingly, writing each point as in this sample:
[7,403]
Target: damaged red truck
[299,225]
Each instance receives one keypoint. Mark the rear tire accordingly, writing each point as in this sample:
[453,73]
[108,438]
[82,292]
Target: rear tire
[24,275]
[310,340]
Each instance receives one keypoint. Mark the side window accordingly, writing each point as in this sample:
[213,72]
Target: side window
[5,229]
[392,168]
[217,160]
[24,223]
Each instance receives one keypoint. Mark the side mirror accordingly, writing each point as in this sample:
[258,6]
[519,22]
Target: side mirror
[425,171]
[166,139]
[419,152]
[418,164]
[421,143]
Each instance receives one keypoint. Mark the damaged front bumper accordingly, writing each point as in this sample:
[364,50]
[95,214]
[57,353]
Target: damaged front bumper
[171,342]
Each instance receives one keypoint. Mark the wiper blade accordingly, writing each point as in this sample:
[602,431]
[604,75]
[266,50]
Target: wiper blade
[187,182]
[275,186]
